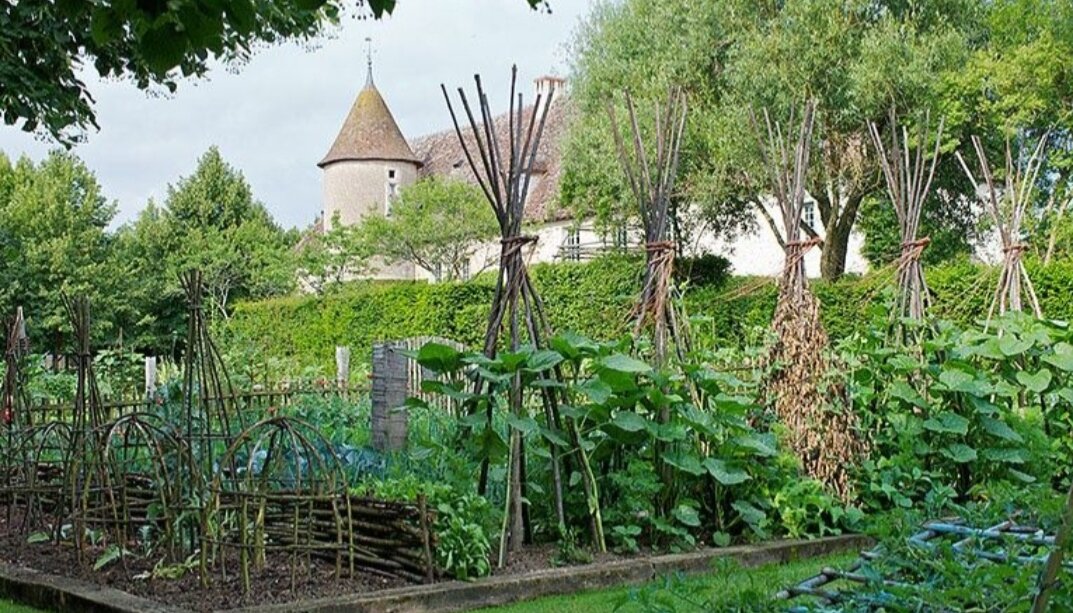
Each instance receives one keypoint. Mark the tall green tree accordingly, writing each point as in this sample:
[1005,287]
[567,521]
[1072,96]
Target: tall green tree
[854,57]
[210,220]
[54,241]
[326,259]
[435,223]
[45,44]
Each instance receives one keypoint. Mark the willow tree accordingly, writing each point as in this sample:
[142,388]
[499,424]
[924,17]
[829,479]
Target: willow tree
[823,431]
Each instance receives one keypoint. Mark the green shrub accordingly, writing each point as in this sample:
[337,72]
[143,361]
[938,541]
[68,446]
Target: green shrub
[594,299]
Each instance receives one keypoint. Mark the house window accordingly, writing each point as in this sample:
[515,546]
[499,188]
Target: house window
[621,237]
[572,245]
[808,214]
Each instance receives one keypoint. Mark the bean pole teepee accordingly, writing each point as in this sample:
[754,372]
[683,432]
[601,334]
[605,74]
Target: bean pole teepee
[823,431]
[908,176]
[503,171]
[1007,204]
[652,185]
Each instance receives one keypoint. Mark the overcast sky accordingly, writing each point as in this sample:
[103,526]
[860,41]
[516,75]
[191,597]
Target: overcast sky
[276,116]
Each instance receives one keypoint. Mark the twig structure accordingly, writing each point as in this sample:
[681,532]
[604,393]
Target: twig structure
[503,171]
[651,181]
[823,430]
[908,176]
[187,480]
[1007,203]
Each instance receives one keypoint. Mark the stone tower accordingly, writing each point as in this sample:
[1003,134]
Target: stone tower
[367,165]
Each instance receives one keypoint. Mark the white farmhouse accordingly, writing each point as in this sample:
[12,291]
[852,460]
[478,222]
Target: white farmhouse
[370,161]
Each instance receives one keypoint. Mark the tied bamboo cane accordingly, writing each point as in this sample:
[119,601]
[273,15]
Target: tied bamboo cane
[1007,203]
[503,164]
[813,405]
[908,178]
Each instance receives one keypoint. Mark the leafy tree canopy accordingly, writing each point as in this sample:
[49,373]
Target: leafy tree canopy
[210,221]
[45,44]
[436,223]
[980,65]
[53,240]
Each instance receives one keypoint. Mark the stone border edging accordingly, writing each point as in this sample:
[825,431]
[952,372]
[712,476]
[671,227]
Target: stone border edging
[52,592]
[499,590]
[69,595]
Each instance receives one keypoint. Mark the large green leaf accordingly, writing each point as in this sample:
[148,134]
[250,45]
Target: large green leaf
[905,392]
[749,512]
[572,345]
[685,462]
[761,443]
[687,515]
[997,427]
[629,421]
[1007,455]
[597,390]
[948,422]
[959,453]
[543,360]
[523,423]
[438,357]
[1037,382]
[619,362]
[1062,358]
[727,475]
[1010,345]
[956,380]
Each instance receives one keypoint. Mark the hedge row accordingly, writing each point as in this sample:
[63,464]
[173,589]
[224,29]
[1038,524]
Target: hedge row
[593,299]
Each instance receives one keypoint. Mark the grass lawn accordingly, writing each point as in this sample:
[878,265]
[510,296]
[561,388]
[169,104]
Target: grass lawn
[722,588]
[6,606]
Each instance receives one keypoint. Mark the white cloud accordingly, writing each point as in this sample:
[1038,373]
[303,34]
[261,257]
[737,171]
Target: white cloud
[275,117]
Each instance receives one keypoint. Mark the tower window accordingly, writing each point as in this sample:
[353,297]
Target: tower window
[391,173]
[391,190]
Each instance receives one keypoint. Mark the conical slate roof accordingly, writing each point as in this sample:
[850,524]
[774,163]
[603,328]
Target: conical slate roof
[369,132]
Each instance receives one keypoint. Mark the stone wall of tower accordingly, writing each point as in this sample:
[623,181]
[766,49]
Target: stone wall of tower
[356,189]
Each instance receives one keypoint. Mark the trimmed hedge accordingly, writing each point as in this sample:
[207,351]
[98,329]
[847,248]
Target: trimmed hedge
[594,299]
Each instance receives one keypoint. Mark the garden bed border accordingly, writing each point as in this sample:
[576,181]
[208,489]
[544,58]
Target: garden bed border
[65,595]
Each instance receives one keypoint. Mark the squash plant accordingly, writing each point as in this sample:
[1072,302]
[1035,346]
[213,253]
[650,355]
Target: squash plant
[964,409]
[723,468]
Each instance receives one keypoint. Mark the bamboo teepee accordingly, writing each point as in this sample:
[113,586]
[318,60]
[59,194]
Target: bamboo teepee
[823,430]
[908,176]
[1007,203]
[502,164]
[651,181]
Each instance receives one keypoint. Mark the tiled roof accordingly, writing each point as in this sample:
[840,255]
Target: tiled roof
[442,155]
[369,132]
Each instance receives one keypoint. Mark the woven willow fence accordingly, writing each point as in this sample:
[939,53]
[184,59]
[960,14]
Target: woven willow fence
[211,476]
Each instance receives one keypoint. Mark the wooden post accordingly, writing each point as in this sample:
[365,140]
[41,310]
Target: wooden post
[342,369]
[426,539]
[150,377]
[389,415]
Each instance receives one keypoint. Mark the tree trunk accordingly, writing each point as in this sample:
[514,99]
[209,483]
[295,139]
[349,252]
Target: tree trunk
[833,255]
[836,241]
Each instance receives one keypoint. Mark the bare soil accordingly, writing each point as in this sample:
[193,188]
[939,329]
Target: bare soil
[272,585]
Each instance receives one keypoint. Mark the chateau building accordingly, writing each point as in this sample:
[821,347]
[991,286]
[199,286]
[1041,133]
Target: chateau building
[371,161]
